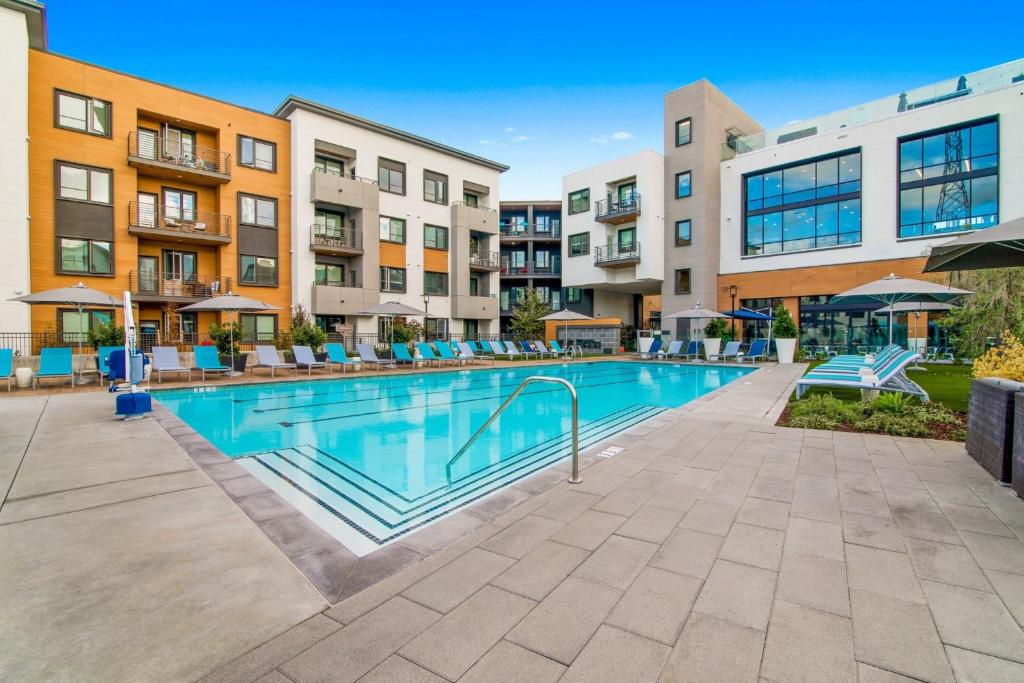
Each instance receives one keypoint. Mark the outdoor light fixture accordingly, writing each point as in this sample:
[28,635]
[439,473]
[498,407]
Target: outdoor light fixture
[732,295]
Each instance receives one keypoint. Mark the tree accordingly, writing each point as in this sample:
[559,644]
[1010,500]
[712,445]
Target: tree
[304,331]
[996,306]
[784,327]
[526,320]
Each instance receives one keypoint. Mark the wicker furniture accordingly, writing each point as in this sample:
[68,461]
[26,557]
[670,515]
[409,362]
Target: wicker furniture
[990,425]
[1018,446]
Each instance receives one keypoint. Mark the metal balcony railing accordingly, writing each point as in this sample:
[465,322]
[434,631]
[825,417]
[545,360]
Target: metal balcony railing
[552,229]
[615,206]
[178,220]
[617,252]
[481,207]
[484,259]
[177,285]
[553,268]
[335,238]
[170,151]
[350,176]
[352,282]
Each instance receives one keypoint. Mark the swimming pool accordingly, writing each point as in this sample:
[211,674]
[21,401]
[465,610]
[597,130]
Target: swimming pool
[365,456]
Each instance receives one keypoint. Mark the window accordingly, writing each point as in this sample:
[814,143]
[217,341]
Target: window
[435,187]
[83,183]
[328,223]
[261,211]
[949,180]
[258,270]
[573,295]
[435,328]
[391,176]
[435,237]
[74,325]
[683,185]
[470,199]
[504,300]
[179,205]
[474,285]
[683,130]
[392,229]
[579,201]
[257,153]
[85,256]
[579,244]
[683,281]
[392,279]
[85,114]
[807,205]
[683,233]
[261,327]
[329,165]
[329,274]
[435,283]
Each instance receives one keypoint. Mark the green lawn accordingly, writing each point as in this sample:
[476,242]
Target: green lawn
[949,385]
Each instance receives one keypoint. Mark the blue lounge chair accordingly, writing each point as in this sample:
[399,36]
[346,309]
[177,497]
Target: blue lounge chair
[266,357]
[54,361]
[206,360]
[674,350]
[304,358]
[651,352]
[467,353]
[513,350]
[556,348]
[7,366]
[445,352]
[758,349]
[369,356]
[476,346]
[853,367]
[890,376]
[692,350]
[165,359]
[732,350]
[103,359]
[427,354]
[336,356]
[400,351]
[527,348]
[495,348]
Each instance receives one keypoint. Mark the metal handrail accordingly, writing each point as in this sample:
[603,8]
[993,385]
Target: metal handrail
[575,478]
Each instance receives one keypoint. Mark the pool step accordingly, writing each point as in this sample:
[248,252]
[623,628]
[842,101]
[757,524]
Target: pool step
[382,514]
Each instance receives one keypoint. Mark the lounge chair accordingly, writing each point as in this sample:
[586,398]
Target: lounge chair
[651,352]
[54,361]
[853,365]
[692,350]
[476,346]
[400,352]
[556,348]
[336,356]
[165,359]
[103,359]
[369,356]
[7,366]
[207,360]
[495,348]
[527,348]
[543,350]
[758,349]
[445,352]
[467,352]
[514,351]
[427,354]
[304,358]
[266,357]
[732,351]
[890,376]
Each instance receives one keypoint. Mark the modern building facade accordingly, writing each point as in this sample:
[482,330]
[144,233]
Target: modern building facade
[531,254]
[384,215]
[829,203]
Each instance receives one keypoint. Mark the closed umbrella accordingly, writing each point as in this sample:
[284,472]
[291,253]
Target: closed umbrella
[390,309]
[998,247]
[229,302]
[566,315]
[79,296]
[893,289]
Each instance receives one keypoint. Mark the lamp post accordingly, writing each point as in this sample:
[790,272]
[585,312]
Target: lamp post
[732,295]
[426,308]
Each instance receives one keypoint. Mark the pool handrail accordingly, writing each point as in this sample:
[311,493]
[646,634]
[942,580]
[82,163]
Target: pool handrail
[575,477]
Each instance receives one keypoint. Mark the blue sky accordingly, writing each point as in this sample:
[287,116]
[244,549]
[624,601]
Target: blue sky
[546,87]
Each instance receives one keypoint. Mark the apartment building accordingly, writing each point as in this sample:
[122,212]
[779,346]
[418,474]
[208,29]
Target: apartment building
[143,187]
[829,203]
[385,215]
[613,237]
[531,254]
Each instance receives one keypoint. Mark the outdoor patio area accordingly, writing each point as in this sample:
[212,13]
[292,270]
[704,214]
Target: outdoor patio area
[714,546]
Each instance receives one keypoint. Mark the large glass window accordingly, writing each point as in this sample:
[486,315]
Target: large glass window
[329,274]
[684,185]
[391,176]
[256,153]
[435,237]
[259,211]
[579,244]
[261,327]
[846,328]
[329,165]
[83,183]
[85,114]
[435,187]
[573,295]
[949,180]
[579,201]
[683,130]
[392,229]
[74,326]
[435,283]
[392,279]
[85,256]
[258,270]
[809,205]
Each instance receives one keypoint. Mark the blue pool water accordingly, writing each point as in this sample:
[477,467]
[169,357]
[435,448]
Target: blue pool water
[369,453]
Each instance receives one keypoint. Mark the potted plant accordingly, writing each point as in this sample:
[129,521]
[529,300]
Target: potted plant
[223,335]
[714,331]
[785,334]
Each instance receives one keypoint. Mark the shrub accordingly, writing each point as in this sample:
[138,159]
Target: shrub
[304,331]
[893,402]
[815,422]
[894,425]
[1005,360]
[407,332]
[221,334]
[106,334]
[784,327]
[826,406]
[716,329]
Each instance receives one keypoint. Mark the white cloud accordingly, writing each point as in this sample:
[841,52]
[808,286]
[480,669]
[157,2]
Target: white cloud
[620,136]
[485,142]
[510,129]
[521,138]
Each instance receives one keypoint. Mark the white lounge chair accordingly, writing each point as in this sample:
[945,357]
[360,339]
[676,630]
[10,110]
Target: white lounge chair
[266,357]
[466,351]
[890,376]
[731,351]
[369,356]
[165,359]
[304,358]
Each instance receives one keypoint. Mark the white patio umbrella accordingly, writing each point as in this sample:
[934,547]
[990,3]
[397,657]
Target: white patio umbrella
[79,296]
[566,315]
[390,309]
[229,302]
[893,289]
[697,313]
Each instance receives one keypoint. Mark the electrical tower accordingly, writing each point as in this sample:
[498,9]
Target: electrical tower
[954,202]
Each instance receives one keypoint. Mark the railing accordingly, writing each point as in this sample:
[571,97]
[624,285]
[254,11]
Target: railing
[482,208]
[335,238]
[575,477]
[552,230]
[617,252]
[554,268]
[178,220]
[617,206]
[350,176]
[171,285]
[354,283]
[166,151]
[484,259]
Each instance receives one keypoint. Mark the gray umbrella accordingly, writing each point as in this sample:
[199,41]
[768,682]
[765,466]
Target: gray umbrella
[390,309]
[78,296]
[566,315]
[229,302]
[698,313]
[893,289]
[998,247]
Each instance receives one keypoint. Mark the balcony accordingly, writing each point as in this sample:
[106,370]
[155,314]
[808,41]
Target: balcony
[553,269]
[175,288]
[337,241]
[338,299]
[478,218]
[474,307]
[488,261]
[170,159]
[617,210]
[617,255]
[344,190]
[519,231]
[177,225]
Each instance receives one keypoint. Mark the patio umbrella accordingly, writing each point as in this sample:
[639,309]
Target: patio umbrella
[893,289]
[917,308]
[229,302]
[757,316]
[390,309]
[566,315]
[698,313]
[78,296]
[998,247]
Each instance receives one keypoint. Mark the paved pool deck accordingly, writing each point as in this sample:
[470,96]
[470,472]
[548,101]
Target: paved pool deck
[714,546]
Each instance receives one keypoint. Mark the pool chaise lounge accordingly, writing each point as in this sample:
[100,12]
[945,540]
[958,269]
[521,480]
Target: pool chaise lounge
[556,348]
[400,352]
[674,350]
[467,351]
[652,352]
[336,356]
[513,350]
[852,367]
[732,350]
[446,354]
[266,357]
[207,360]
[369,356]
[54,362]
[758,349]
[692,350]
[7,366]
[305,359]
[427,354]
[165,359]
[890,377]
